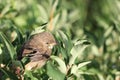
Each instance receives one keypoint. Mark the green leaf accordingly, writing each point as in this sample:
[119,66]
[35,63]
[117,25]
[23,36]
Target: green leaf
[77,50]
[55,20]
[5,10]
[83,64]
[8,45]
[108,31]
[54,73]
[20,20]
[8,74]
[0,50]
[62,66]
[43,13]
[95,50]
[17,64]
[37,30]
[63,17]
[66,42]
[18,37]
[28,75]
[73,16]
[76,68]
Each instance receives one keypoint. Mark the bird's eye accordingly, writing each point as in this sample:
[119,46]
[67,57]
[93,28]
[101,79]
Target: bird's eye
[47,43]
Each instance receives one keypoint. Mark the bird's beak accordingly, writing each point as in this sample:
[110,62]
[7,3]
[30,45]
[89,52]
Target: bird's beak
[52,45]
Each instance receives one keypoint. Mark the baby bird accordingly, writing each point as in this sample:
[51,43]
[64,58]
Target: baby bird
[38,49]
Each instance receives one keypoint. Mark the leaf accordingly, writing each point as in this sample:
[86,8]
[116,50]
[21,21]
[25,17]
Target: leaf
[0,55]
[62,20]
[62,66]
[0,50]
[95,50]
[17,63]
[64,16]
[8,45]
[8,74]
[28,75]
[83,64]
[37,30]
[77,50]
[117,25]
[5,10]
[73,16]
[55,21]
[54,73]
[108,32]
[100,76]
[66,42]
[75,68]
[43,13]
[20,20]
[63,36]
[18,36]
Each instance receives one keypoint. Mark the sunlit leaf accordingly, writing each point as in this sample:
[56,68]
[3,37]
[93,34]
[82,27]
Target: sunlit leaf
[37,30]
[54,73]
[74,16]
[77,50]
[29,75]
[5,10]
[8,45]
[100,76]
[74,69]
[95,50]
[108,31]
[0,55]
[20,20]
[17,36]
[0,50]
[43,13]
[55,20]
[62,66]
[67,43]
[83,64]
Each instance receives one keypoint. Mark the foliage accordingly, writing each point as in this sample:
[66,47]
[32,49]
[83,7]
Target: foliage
[87,32]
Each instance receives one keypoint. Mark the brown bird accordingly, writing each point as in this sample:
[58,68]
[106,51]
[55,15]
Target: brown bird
[38,49]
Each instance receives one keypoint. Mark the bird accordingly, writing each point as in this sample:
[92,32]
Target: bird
[38,49]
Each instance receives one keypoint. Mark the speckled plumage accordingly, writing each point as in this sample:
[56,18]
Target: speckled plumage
[38,49]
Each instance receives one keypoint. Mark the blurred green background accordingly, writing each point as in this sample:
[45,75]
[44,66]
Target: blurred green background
[97,21]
